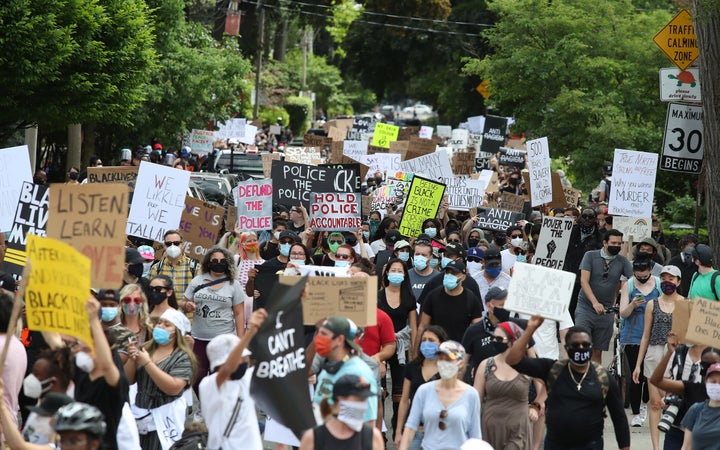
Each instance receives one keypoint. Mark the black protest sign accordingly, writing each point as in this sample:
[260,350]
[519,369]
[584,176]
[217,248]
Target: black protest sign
[482,161]
[493,134]
[293,183]
[497,219]
[31,217]
[279,383]
[353,168]
[512,157]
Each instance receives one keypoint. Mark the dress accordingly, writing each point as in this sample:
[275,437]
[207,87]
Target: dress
[242,276]
[504,416]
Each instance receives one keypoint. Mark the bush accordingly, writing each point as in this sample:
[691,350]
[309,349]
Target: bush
[300,111]
[681,210]
[269,115]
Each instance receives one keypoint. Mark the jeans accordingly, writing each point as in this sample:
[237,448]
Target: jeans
[673,439]
[594,445]
[416,443]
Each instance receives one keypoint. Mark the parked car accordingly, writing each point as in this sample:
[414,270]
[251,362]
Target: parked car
[245,165]
[216,187]
[419,109]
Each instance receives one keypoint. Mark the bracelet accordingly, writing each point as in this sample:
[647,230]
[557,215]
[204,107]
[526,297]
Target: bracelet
[535,405]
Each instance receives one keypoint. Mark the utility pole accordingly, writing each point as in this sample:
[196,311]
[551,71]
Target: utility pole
[258,67]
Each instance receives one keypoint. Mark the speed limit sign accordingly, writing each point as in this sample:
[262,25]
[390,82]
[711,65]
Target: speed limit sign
[682,149]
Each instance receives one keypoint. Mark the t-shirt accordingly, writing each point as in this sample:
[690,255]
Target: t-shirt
[417,281]
[453,313]
[437,282]
[213,307]
[604,287]
[700,286]
[462,421]
[702,420]
[13,373]
[265,279]
[546,336]
[399,315]
[501,281]
[353,366]
[377,335]
[413,372]
[218,406]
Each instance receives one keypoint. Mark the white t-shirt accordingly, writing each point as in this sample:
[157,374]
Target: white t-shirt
[217,407]
[368,249]
[546,338]
[508,259]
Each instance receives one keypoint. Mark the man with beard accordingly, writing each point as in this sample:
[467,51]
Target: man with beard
[585,236]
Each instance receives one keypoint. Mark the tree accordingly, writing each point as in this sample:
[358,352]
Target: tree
[582,72]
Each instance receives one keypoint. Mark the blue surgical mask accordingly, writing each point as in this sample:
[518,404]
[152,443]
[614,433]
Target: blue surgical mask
[429,349]
[404,256]
[396,278]
[521,258]
[445,262]
[431,232]
[340,263]
[108,313]
[285,249]
[450,281]
[420,262]
[493,271]
[433,263]
[161,336]
[366,235]
[298,262]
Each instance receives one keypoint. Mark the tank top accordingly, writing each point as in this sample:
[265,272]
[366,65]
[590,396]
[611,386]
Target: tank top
[324,440]
[661,326]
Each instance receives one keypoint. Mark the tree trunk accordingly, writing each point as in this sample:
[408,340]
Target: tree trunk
[281,40]
[707,29]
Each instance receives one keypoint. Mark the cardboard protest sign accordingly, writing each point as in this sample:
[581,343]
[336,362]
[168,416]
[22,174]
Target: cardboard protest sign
[336,134]
[231,129]
[681,318]
[463,163]
[553,242]
[314,140]
[341,124]
[633,183]
[435,166]
[539,290]
[91,218]
[512,157]
[558,196]
[384,134]
[366,205]
[636,227]
[494,131]
[422,203]
[231,218]
[158,202]
[303,155]
[426,132]
[114,174]
[464,193]
[489,179]
[355,149]
[293,183]
[30,217]
[254,201]
[538,153]
[200,226]
[335,211]
[58,288]
[201,141]
[279,380]
[405,133]
[497,219]
[16,170]
[401,148]
[351,297]
[267,159]
[512,202]
[459,140]
[704,324]
[421,146]
[444,131]
[572,196]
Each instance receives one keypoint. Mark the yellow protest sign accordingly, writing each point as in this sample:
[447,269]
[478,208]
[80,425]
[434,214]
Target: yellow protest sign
[422,203]
[58,288]
[384,134]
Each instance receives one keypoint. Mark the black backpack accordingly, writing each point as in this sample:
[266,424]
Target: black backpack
[193,441]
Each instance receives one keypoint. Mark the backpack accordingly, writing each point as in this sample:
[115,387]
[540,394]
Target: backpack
[193,441]
[712,282]
[608,182]
[559,365]
[678,361]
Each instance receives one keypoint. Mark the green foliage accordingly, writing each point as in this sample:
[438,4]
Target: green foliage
[344,12]
[269,114]
[322,78]
[300,111]
[682,210]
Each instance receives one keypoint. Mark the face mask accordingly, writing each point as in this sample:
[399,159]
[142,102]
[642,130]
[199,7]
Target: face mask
[420,262]
[299,262]
[74,175]
[499,347]
[429,349]
[239,372]
[108,313]
[713,391]
[473,242]
[136,270]
[131,309]
[613,250]
[644,255]
[521,258]
[220,267]
[687,257]
[445,261]
[173,251]
[251,248]
[374,225]
[146,269]
[431,232]
[642,280]
[396,279]
[35,388]
[493,271]
[668,287]
[500,240]
[516,242]
[433,263]
[501,314]
[404,256]
[276,235]
[447,369]
[343,263]
[366,235]
[450,281]
[155,298]
[285,249]
[84,362]
[579,357]
[474,266]
[323,345]
[587,229]
[334,247]
[161,336]
[39,429]
[514,181]
[352,413]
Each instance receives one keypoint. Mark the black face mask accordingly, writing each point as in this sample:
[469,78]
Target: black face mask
[135,270]
[239,372]
[578,356]
[514,181]
[155,298]
[216,267]
[613,250]
[74,175]
[502,314]
[643,279]
[499,347]
[473,242]
[332,367]
[500,239]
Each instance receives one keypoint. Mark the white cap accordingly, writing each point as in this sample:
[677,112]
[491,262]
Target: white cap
[219,348]
[476,444]
[178,319]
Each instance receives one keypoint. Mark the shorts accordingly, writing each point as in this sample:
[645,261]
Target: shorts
[653,356]
[601,326]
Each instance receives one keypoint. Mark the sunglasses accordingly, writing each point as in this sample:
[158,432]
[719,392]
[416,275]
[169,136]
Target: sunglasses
[473,259]
[158,288]
[606,270]
[339,256]
[217,261]
[135,300]
[443,416]
[453,241]
[580,346]
[500,339]
[335,242]
[175,243]
[515,236]
[587,216]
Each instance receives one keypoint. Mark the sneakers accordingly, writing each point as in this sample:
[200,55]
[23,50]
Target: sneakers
[637,421]
[643,412]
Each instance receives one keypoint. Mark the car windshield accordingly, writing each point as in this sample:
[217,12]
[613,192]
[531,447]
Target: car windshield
[207,184]
[240,163]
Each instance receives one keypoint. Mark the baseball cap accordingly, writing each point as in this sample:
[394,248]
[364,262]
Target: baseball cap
[672,270]
[178,319]
[51,403]
[108,294]
[712,369]
[495,293]
[7,281]
[392,236]
[535,215]
[125,154]
[157,147]
[475,252]
[146,252]
[289,234]
[456,266]
[346,327]
[492,254]
[219,348]
[704,254]
[401,244]
[454,350]
[455,249]
[132,256]
[351,385]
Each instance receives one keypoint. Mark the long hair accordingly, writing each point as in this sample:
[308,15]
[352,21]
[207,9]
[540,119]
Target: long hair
[144,316]
[438,331]
[242,238]
[381,231]
[231,271]
[180,344]
[168,283]
[407,299]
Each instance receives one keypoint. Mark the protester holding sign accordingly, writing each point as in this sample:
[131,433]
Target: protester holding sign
[248,254]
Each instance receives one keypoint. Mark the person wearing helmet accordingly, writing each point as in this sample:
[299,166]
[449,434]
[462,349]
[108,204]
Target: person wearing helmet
[79,425]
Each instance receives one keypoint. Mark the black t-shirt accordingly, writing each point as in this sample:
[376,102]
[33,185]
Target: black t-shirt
[269,250]
[576,417]
[453,313]
[437,281]
[297,230]
[322,259]
[265,280]
[413,372]
[399,315]
[109,400]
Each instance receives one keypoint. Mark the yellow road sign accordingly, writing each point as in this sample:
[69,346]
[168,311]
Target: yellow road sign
[677,40]
[484,89]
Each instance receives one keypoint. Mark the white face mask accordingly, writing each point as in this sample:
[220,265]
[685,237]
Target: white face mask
[353,413]
[146,269]
[173,251]
[516,242]
[276,235]
[713,391]
[474,266]
[447,369]
[34,388]
[38,430]
[84,362]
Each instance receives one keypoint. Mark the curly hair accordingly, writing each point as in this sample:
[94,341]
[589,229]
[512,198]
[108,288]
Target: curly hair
[231,270]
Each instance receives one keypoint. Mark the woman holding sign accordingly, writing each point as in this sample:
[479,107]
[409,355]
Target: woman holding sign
[248,252]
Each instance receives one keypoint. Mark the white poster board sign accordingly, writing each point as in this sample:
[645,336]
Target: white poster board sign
[553,242]
[426,132]
[633,183]
[538,152]
[435,166]
[158,201]
[382,162]
[465,193]
[459,140]
[539,290]
[231,129]
[14,170]
[201,141]
[253,200]
[355,149]
[638,228]
[444,130]
[485,178]
[248,136]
